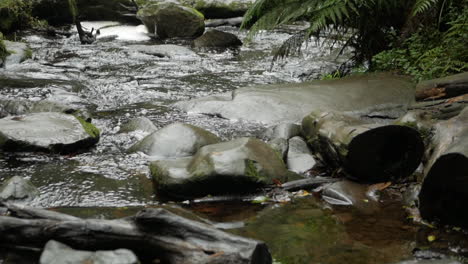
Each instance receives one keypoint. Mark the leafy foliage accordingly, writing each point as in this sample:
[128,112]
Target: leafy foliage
[3,51]
[16,14]
[365,23]
[430,53]
[424,46]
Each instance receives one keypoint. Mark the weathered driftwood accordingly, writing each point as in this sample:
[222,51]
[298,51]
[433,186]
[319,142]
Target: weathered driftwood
[366,152]
[151,234]
[444,192]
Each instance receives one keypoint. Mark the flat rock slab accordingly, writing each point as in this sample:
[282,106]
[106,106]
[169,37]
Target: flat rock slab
[291,102]
[48,132]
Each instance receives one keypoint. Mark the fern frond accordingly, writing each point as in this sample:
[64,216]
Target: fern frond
[423,5]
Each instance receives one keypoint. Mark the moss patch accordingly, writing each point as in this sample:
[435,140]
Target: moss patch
[89,128]
[3,51]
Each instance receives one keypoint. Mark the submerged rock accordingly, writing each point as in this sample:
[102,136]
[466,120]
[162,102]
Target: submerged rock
[300,158]
[291,102]
[168,50]
[351,194]
[237,166]
[18,189]
[170,20]
[19,52]
[48,132]
[58,253]
[175,140]
[139,123]
[217,39]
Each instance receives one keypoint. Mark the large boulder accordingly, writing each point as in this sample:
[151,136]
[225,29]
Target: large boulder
[47,132]
[169,20]
[58,253]
[18,189]
[291,102]
[217,39]
[237,166]
[175,140]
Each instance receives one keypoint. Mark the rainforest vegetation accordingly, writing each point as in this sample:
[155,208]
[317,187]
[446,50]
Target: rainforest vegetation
[422,38]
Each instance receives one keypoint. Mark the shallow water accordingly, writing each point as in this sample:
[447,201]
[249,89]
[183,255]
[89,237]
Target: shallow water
[116,83]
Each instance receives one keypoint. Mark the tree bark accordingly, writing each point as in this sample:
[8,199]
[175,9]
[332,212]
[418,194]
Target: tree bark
[151,234]
[442,88]
[444,191]
[367,152]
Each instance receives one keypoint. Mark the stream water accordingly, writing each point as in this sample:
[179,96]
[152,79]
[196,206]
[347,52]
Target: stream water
[117,82]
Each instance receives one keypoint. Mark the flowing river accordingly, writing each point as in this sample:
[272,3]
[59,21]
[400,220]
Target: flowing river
[117,81]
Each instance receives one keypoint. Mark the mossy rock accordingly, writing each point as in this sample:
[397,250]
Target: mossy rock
[3,51]
[235,167]
[171,20]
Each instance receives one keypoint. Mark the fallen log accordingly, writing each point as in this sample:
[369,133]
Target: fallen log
[367,152]
[448,87]
[444,191]
[152,234]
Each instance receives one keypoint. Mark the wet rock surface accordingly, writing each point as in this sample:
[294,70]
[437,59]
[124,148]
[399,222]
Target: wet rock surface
[56,253]
[300,158]
[283,130]
[175,140]
[168,50]
[217,39]
[138,124]
[50,132]
[237,166]
[18,189]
